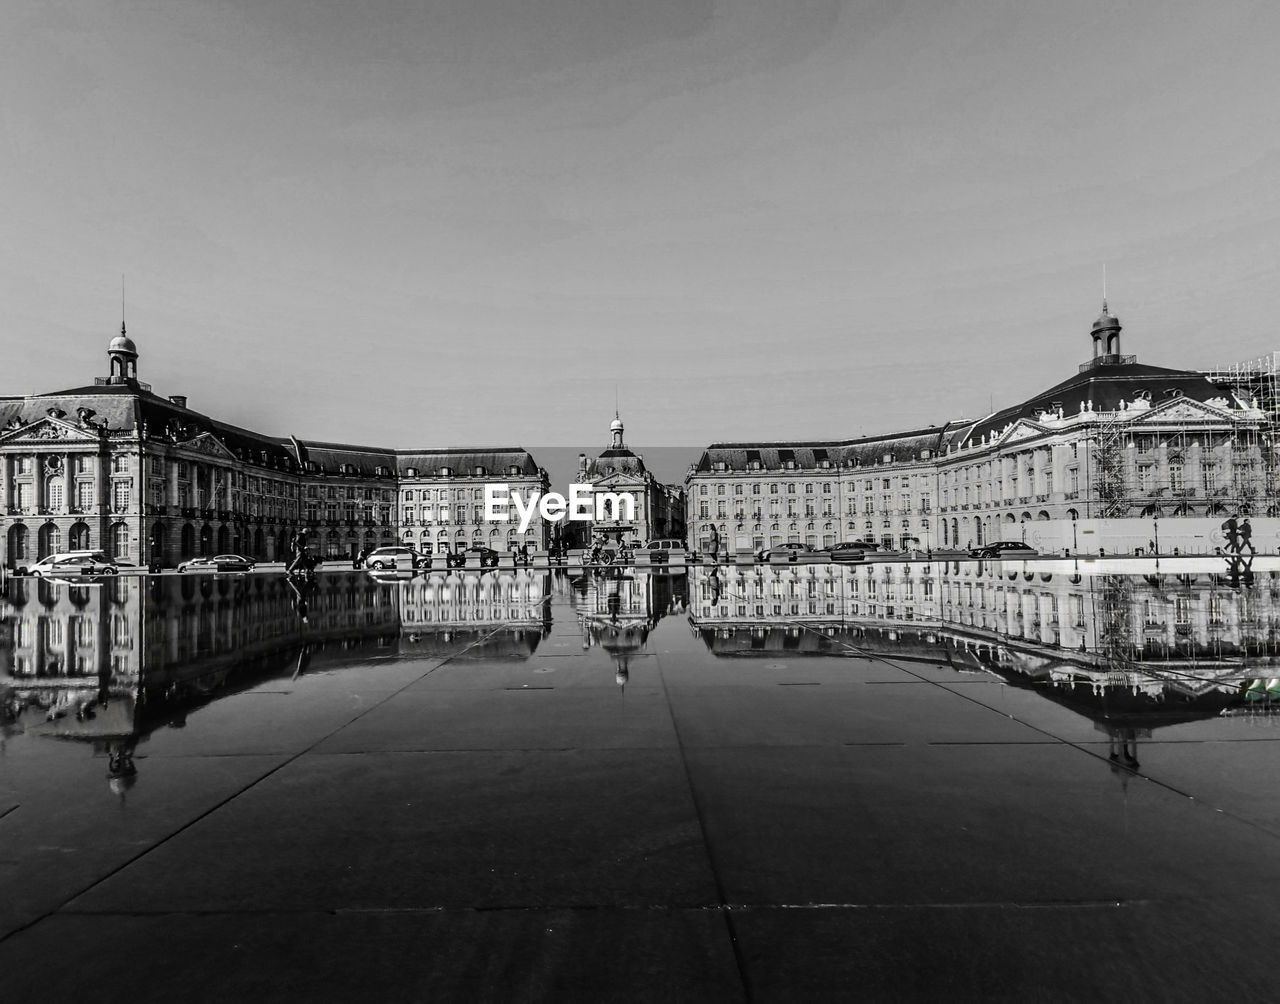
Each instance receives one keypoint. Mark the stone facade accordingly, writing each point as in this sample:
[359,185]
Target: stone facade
[1118,441]
[658,508]
[114,467]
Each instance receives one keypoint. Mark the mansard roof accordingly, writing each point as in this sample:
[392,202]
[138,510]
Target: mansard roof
[810,455]
[1105,386]
[462,460]
[341,458]
[616,461]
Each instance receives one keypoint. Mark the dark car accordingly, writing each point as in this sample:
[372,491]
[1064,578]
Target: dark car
[793,548]
[488,556]
[851,550]
[1003,549]
[217,563]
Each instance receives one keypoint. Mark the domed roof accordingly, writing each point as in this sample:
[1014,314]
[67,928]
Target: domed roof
[122,343]
[615,425]
[1106,320]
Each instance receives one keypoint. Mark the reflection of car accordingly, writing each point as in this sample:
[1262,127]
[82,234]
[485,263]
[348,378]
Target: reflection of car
[664,544]
[488,556]
[792,549]
[217,563]
[386,557]
[851,550]
[75,563]
[1003,548]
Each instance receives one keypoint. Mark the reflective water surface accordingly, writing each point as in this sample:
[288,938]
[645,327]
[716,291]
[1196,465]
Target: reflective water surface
[746,769]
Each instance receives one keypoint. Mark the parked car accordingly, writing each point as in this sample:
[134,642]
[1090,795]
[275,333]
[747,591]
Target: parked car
[74,563]
[664,544]
[793,548]
[217,563]
[852,550]
[387,557]
[1003,548]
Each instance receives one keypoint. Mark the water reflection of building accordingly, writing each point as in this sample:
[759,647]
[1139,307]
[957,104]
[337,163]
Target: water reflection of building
[1131,652]
[478,615]
[617,608]
[110,662]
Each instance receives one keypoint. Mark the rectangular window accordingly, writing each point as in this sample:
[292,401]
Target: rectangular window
[84,496]
[55,496]
[120,493]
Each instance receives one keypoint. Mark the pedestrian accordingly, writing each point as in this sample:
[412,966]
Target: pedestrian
[1231,534]
[1246,537]
[299,548]
[713,545]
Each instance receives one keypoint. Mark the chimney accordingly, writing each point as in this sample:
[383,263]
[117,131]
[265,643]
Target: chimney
[179,399]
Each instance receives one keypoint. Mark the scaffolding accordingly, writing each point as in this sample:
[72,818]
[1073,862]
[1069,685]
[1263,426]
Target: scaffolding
[1153,472]
[1256,382]
[1112,479]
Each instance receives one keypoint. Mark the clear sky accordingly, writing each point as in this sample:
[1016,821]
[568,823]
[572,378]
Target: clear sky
[466,221]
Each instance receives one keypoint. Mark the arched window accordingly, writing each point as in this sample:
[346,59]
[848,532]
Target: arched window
[119,540]
[78,537]
[18,550]
[50,540]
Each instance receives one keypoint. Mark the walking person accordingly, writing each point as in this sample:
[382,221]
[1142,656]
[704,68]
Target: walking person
[713,545]
[1245,538]
[299,547]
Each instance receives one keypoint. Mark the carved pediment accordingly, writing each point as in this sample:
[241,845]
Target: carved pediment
[1021,430]
[1183,410]
[619,480]
[45,431]
[210,445]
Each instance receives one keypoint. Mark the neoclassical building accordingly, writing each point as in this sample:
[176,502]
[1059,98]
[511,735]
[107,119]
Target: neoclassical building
[113,466]
[658,509]
[1099,459]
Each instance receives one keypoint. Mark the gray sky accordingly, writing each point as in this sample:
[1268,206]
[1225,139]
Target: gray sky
[801,218]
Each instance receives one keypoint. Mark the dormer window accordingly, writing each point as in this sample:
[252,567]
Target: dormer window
[887,459]
[445,472]
[411,472]
[479,471]
[513,469]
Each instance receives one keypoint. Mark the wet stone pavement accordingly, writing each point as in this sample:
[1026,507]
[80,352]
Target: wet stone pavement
[890,781]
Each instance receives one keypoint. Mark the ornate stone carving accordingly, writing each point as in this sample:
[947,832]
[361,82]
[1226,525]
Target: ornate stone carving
[48,431]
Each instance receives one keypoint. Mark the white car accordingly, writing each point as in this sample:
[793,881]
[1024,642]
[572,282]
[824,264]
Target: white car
[664,544]
[385,557]
[75,563]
